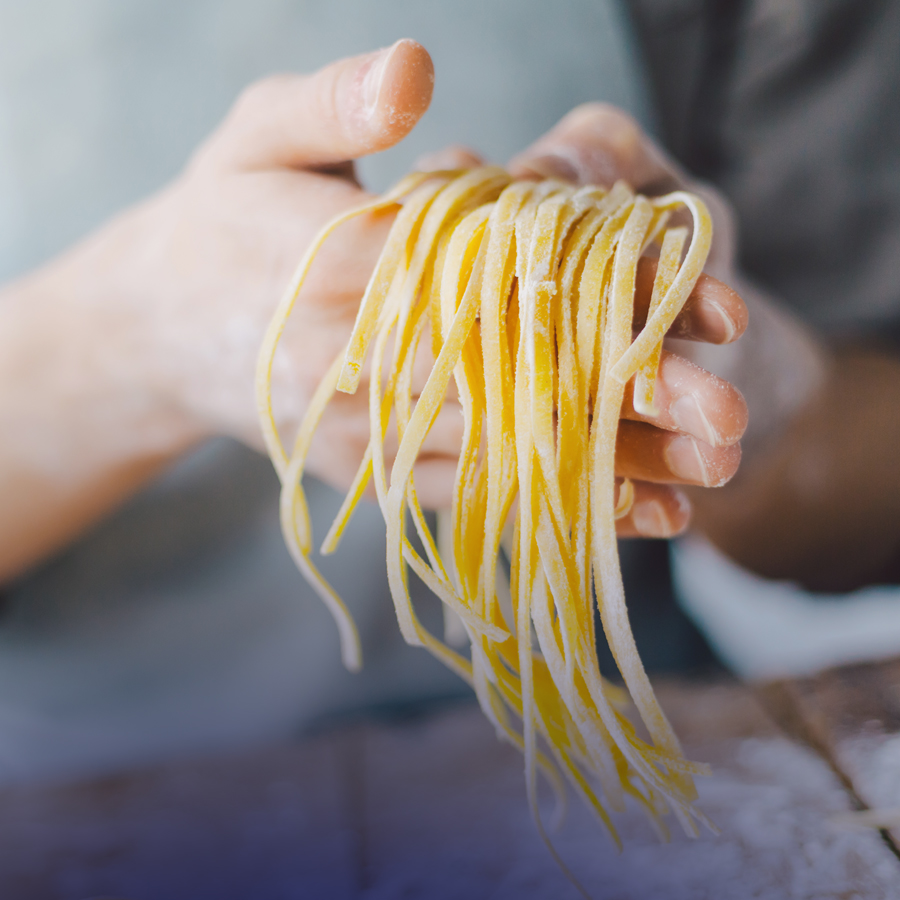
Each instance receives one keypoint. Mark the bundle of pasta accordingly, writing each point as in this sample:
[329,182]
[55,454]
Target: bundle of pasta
[528,291]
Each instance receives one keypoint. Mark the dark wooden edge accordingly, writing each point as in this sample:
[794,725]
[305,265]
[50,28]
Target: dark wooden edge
[823,710]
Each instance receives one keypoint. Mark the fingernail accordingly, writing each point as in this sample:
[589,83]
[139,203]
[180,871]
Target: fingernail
[727,325]
[552,166]
[684,460]
[684,504]
[688,415]
[374,78]
[650,519]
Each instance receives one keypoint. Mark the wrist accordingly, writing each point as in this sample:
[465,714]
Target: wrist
[822,507]
[81,428]
[73,359]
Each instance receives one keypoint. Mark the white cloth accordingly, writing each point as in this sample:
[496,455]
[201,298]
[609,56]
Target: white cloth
[773,629]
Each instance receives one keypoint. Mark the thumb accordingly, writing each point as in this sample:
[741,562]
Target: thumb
[348,109]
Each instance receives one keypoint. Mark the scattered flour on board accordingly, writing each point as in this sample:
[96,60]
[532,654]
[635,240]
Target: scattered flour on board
[468,833]
[772,803]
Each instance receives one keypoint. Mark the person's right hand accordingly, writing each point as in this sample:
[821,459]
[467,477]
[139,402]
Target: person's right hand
[142,340]
[197,271]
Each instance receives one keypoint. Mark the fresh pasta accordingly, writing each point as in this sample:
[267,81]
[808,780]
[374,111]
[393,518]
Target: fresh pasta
[527,291]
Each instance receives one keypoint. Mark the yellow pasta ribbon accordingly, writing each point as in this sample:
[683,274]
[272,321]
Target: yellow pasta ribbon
[528,292]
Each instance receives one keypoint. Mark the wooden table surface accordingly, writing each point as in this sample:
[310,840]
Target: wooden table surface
[434,808]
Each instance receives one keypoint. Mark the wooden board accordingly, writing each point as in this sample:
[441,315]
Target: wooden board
[851,717]
[434,808]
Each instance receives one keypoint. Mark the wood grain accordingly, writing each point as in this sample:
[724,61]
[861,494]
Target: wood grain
[434,808]
[850,716]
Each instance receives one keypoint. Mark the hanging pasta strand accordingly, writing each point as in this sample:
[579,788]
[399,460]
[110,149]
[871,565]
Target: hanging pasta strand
[527,291]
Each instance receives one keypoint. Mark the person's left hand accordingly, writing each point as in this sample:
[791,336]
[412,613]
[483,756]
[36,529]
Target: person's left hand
[695,438]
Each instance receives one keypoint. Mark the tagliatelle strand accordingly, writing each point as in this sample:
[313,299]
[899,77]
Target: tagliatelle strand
[666,270]
[528,292]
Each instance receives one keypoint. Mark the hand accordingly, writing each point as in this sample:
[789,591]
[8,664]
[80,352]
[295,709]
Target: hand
[694,439]
[817,500]
[203,265]
[142,340]
[229,234]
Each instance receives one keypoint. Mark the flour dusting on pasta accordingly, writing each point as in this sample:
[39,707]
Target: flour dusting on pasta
[527,291]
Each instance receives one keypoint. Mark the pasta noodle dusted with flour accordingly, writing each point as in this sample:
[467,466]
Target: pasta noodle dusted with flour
[527,289]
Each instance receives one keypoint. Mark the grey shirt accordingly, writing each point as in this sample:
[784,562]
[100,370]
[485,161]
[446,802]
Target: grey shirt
[792,107]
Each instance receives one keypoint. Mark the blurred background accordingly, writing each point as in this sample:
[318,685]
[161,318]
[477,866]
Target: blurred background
[103,101]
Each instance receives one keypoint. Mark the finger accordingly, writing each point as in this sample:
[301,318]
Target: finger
[341,443]
[646,453]
[346,425]
[598,144]
[658,511]
[423,364]
[454,157]
[434,478]
[350,108]
[342,267]
[444,438]
[694,402]
[713,313]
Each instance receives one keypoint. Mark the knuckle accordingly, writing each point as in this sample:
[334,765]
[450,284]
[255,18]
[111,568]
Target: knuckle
[601,141]
[605,122]
[257,95]
[325,99]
